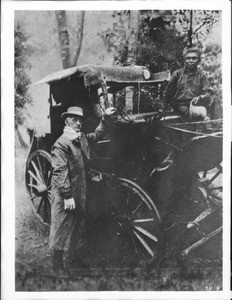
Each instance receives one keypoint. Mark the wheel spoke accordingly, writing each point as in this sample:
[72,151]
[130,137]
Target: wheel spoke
[149,250]
[215,175]
[213,188]
[134,211]
[43,169]
[127,199]
[33,175]
[40,204]
[30,182]
[128,202]
[49,177]
[145,232]
[136,249]
[49,196]
[40,168]
[32,185]
[49,199]
[49,207]
[46,170]
[46,211]
[143,220]
[38,173]
[216,197]
[39,164]
[117,186]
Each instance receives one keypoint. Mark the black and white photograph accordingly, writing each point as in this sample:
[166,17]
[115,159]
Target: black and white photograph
[120,134]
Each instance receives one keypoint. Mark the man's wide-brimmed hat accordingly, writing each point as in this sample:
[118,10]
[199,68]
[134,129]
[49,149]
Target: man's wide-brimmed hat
[73,111]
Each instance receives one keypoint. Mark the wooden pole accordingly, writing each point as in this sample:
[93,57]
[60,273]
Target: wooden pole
[138,97]
[104,91]
[202,241]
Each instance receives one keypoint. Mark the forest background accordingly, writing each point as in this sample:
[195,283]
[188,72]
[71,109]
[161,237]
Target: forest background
[47,41]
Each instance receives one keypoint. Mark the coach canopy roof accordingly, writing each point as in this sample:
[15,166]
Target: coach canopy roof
[94,74]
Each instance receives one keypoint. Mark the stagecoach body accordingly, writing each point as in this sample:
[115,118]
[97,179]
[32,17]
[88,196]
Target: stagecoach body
[139,166]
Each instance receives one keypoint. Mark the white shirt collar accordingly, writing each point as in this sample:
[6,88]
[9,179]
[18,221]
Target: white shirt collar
[70,133]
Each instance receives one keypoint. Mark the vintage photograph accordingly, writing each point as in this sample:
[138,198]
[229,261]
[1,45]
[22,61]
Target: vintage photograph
[118,150]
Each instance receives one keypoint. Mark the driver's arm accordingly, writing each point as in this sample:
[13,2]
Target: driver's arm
[205,94]
[207,90]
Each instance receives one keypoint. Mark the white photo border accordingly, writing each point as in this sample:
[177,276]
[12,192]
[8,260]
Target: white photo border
[8,155]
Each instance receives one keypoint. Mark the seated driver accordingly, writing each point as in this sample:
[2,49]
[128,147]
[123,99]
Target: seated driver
[189,90]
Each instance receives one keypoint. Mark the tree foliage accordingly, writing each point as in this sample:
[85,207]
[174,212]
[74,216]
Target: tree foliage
[211,64]
[22,81]
[160,45]
[115,38]
[195,25]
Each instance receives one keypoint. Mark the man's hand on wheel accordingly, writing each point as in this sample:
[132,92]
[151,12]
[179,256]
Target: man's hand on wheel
[69,204]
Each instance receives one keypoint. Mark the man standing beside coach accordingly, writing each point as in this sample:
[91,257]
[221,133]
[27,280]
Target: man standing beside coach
[70,156]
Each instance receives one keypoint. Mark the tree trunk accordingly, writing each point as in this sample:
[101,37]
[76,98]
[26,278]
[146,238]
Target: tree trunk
[79,38]
[190,31]
[63,38]
[19,141]
[133,37]
[131,55]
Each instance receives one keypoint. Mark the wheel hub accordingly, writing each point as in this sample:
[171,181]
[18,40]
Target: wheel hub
[125,224]
[41,188]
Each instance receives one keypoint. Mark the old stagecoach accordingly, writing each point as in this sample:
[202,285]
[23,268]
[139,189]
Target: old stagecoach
[150,172]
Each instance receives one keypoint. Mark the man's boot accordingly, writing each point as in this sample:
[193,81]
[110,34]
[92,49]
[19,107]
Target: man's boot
[58,265]
[76,258]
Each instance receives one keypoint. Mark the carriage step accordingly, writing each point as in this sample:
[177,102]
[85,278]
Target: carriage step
[196,222]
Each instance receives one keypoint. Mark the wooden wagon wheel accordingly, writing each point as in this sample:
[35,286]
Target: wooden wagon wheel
[134,223]
[204,240]
[212,182]
[38,182]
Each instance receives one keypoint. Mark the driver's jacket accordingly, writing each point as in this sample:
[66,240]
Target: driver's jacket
[184,86]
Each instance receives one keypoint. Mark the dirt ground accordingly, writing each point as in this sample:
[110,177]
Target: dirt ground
[33,261]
